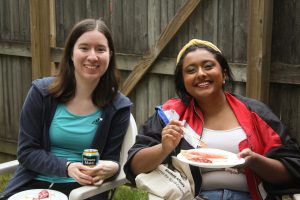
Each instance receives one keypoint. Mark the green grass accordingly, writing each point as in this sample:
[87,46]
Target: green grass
[3,181]
[124,192]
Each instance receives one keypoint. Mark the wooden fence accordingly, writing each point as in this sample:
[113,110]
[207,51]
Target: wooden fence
[258,37]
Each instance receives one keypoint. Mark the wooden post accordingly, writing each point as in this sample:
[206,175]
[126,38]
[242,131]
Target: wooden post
[52,33]
[40,38]
[259,49]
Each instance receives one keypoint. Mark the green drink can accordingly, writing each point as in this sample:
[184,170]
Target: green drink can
[90,157]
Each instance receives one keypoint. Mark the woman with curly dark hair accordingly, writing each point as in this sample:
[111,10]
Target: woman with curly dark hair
[207,114]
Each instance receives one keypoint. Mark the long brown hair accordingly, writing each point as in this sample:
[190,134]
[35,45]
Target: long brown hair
[63,88]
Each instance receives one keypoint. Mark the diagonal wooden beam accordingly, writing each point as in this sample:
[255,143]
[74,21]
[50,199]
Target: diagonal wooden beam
[148,58]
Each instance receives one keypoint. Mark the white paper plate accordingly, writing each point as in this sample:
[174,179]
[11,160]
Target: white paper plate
[29,194]
[231,161]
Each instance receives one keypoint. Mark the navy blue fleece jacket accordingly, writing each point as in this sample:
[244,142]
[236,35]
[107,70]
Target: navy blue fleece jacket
[34,145]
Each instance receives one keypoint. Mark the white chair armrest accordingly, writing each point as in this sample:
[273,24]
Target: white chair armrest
[154,197]
[296,196]
[89,191]
[8,167]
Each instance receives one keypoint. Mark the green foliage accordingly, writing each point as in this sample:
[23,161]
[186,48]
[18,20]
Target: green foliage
[3,180]
[126,192]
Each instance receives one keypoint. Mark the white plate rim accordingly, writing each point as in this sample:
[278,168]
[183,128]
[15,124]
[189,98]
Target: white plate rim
[233,162]
[34,193]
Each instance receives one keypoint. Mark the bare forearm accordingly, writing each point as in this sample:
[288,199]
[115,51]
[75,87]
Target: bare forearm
[271,170]
[148,159]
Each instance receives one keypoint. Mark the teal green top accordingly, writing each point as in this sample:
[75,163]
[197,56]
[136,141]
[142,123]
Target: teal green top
[70,134]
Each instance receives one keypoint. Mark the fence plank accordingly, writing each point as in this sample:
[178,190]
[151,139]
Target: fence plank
[280,72]
[5,21]
[209,21]
[8,147]
[116,26]
[240,33]
[196,23]
[141,101]
[154,94]
[14,20]
[40,38]
[290,115]
[286,31]
[15,48]
[285,73]
[259,49]
[128,33]
[169,9]
[225,28]
[167,88]
[154,17]
[163,40]
[140,23]
[2,100]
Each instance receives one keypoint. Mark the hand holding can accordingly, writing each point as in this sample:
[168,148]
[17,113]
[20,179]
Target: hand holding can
[90,157]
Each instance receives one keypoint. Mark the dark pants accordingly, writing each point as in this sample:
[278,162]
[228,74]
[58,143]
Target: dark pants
[65,188]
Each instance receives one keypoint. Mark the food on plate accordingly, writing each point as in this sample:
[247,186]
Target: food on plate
[43,194]
[39,194]
[210,158]
[203,157]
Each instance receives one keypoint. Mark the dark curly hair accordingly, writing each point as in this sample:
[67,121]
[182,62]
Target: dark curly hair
[178,77]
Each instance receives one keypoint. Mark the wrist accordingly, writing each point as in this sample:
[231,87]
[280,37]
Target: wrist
[163,151]
[67,168]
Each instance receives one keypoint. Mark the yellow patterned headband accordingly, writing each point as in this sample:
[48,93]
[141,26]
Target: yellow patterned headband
[196,42]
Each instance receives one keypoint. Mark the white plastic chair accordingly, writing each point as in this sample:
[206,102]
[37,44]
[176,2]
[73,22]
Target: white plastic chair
[154,197]
[89,191]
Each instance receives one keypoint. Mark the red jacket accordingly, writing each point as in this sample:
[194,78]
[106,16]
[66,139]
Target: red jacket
[264,130]
[266,135]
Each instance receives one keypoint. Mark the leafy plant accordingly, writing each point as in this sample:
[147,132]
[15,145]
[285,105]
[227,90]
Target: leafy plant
[126,192]
[3,180]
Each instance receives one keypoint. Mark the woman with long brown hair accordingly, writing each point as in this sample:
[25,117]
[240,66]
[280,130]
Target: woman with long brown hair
[80,108]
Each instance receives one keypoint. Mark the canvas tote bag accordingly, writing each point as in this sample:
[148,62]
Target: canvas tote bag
[169,184]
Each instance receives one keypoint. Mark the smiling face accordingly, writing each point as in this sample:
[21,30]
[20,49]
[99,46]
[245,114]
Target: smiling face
[91,56]
[202,74]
